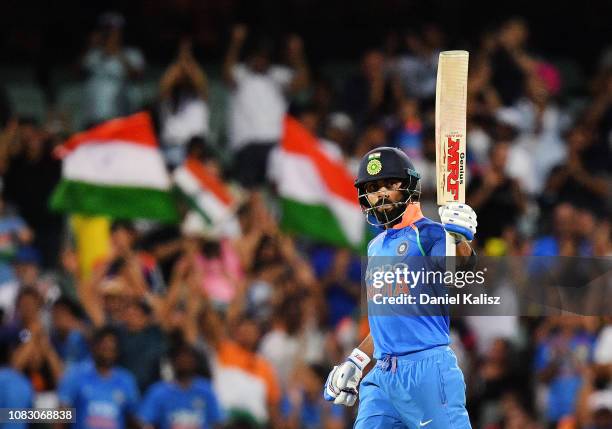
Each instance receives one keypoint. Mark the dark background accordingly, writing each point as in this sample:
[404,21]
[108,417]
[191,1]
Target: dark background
[51,32]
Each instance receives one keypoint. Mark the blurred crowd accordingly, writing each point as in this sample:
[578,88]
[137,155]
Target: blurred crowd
[177,328]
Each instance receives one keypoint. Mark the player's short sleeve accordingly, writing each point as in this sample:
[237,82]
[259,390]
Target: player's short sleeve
[149,410]
[432,237]
[68,388]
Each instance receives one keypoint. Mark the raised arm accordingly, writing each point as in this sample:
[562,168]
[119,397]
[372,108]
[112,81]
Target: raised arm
[297,61]
[239,33]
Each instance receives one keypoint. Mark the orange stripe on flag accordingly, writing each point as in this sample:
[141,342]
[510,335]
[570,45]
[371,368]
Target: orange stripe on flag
[135,129]
[299,140]
[208,181]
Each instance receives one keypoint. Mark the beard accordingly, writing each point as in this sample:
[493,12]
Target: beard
[391,215]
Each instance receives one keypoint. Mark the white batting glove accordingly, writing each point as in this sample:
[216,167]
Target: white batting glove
[459,220]
[342,382]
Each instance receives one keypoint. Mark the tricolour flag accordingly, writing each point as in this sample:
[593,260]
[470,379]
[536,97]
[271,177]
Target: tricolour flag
[205,192]
[318,198]
[115,169]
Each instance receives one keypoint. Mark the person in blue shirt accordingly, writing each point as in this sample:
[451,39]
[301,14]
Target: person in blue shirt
[303,407]
[560,358]
[105,396]
[66,336]
[20,394]
[416,381]
[188,402]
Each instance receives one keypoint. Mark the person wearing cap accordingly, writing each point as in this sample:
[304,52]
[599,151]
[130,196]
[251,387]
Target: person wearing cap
[416,381]
[109,67]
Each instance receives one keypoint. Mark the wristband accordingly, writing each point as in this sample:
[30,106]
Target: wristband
[359,358]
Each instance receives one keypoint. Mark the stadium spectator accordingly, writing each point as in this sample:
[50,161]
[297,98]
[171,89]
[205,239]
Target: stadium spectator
[497,197]
[20,394]
[14,232]
[303,407]
[32,166]
[187,401]
[183,108]
[510,61]
[103,394]
[258,101]
[580,180]
[564,350]
[372,93]
[563,239]
[110,69]
[239,368]
[141,343]
[27,275]
[67,333]
[35,356]
[417,67]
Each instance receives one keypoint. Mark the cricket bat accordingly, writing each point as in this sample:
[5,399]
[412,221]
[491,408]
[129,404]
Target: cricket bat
[451,111]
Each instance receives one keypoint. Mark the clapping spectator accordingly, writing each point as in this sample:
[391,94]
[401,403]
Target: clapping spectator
[581,179]
[103,394]
[188,401]
[184,112]
[20,394]
[110,68]
[35,356]
[258,101]
[496,197]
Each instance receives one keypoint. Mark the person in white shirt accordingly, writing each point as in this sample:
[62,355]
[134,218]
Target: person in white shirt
[258,101]
[183,107]
[110,68]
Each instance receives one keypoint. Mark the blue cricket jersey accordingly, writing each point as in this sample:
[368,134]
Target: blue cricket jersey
[170,406]
[400,329]
[100,402]
[15,392]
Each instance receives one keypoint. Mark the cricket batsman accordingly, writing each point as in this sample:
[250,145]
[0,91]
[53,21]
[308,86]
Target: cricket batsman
[416,382]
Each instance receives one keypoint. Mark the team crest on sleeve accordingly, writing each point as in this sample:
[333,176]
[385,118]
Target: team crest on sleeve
[402,248]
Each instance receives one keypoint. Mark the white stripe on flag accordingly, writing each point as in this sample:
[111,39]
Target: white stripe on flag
[119,163]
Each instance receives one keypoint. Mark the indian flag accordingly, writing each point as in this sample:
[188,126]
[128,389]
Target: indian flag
[115,169]
[318,198]
[205,192]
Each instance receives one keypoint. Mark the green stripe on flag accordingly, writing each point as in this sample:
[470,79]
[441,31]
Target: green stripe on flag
[315,221]
[119,202]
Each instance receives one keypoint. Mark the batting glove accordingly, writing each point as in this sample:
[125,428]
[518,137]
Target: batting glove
[342,382]
[459,220]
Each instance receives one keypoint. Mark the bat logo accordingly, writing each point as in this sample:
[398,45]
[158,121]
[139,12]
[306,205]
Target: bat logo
[454,167]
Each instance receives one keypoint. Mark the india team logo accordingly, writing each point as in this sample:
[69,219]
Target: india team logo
[402,248]
[374,167]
